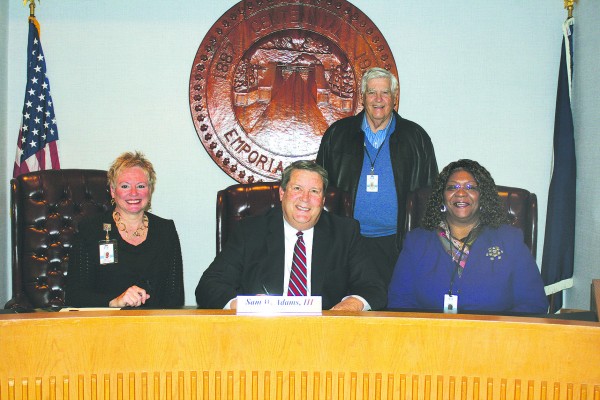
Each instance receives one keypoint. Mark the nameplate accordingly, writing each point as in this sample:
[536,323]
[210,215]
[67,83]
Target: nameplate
[269,305]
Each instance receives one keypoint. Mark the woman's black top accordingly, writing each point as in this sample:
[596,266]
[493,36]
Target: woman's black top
[155,265]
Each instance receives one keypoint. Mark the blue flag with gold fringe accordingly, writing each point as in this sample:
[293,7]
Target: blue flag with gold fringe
[559,239]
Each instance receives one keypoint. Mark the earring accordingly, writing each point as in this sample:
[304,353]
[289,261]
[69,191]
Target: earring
[443,208]
[112,201]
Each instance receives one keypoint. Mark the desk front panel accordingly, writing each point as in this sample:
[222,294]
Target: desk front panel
[193,354]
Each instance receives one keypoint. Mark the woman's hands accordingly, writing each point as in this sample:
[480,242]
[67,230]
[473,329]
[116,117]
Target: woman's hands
[134,296]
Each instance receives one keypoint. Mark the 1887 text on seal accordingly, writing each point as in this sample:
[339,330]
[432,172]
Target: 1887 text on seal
[271,75]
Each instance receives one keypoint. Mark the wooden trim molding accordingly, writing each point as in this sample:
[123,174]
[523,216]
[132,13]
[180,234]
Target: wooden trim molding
[595,300]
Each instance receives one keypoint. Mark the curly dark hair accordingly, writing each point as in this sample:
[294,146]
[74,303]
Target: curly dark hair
[491,212]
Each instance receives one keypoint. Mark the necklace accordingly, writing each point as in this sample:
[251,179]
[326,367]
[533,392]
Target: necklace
[121,225]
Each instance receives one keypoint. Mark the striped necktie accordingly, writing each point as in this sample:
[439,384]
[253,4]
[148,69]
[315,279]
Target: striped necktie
[297,286]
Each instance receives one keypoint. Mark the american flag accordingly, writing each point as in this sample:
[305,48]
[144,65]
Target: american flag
[38,136]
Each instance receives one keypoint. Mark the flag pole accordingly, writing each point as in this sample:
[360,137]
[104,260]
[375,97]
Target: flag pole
[31,7]
[32,14]
[569,4]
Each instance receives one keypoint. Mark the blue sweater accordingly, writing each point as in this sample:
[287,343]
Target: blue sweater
[377,212]
[510,282]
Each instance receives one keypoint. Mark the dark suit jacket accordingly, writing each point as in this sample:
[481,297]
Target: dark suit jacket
[252,263]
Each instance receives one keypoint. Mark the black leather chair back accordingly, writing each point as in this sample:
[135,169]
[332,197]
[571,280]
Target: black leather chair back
[46,207]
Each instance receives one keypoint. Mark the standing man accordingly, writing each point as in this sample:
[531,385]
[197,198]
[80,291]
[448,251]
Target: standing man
[378,157]
[296,250]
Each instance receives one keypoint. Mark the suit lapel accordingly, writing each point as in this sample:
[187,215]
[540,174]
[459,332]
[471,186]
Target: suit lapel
[321,249]
[273,268]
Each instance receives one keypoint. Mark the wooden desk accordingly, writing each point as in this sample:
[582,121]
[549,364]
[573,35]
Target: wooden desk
[193,354]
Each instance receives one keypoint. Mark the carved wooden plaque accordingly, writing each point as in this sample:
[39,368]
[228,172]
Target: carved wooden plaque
[271,75]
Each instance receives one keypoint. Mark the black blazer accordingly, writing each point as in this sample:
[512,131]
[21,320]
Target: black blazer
[252,263]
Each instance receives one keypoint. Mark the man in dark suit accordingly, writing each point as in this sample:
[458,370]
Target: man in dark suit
[259,257]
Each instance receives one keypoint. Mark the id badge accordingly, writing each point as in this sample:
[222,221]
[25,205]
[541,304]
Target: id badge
[109,253]
[450,303]
[372,183]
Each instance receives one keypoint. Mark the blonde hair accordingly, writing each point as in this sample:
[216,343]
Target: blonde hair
[130,160]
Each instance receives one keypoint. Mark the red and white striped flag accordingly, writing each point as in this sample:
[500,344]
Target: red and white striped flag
[37,146]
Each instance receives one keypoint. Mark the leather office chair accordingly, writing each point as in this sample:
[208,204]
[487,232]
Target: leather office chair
[244,200]
[519,203]
[46,207]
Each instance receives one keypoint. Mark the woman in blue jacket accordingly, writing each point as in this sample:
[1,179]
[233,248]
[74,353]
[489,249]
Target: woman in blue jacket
[466,256]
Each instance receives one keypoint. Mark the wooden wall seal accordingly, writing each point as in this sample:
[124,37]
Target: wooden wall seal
[271,75]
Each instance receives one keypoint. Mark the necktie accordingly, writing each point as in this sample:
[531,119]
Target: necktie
[297,285]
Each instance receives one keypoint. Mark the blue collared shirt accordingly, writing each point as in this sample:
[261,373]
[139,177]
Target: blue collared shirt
[376,138]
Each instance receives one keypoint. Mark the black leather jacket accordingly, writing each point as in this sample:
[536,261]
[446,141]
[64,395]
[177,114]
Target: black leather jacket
[341,153]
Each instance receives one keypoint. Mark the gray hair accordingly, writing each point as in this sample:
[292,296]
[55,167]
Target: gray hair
[306,165]
[376,72]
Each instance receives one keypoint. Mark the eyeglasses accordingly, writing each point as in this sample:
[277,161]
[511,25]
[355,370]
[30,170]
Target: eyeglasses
[467,187]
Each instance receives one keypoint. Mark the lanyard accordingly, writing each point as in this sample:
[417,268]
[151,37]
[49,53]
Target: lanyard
[386,131]
[371,161]
[460,256]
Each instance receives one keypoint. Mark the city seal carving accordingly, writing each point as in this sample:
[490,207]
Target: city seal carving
[271,75]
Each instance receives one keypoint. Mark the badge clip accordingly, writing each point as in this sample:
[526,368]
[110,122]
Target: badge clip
[107,248]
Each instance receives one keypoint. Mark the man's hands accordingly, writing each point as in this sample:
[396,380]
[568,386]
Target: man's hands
[349,304]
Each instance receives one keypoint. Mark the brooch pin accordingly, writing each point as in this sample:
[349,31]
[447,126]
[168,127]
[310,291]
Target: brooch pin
[494,252]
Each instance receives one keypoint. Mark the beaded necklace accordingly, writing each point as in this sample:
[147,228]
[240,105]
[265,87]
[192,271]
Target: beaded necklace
[121,225]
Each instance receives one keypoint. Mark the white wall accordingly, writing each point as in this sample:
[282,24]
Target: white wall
[586,120]
[4,232]
[480,77]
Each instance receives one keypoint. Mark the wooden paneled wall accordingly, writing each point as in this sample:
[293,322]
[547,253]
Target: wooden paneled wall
[193,354]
